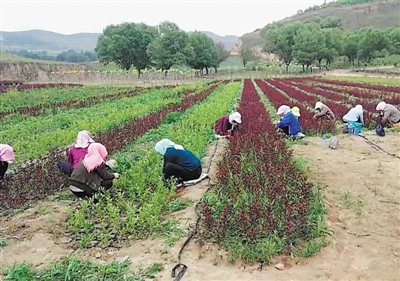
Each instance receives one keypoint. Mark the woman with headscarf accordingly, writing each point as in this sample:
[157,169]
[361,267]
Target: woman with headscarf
[91,172]
[76,152]
[356,114]
[228,124]
[6,157]
[296,111]
[179,163]
[289,122]
[390,114]
[323,111]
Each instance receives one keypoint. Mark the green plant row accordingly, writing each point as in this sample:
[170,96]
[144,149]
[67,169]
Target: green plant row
[75,269]
[136,203]
[14,99]
[37,135]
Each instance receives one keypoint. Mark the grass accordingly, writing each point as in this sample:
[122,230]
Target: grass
[73,268]
[7,57]
[347,199]
[369,80]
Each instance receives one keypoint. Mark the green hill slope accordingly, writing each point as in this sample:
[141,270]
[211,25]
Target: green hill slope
[383,15]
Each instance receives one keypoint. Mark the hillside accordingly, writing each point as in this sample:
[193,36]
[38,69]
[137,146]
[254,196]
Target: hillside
[41,40]
[379,15]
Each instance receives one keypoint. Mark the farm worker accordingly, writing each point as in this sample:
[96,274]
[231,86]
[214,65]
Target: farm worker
[356,114]
[323,111]
[91,172]
[296,111]
[289,123]
[390,114]
[179,163]
[228,124]
[6,156]
[76,152]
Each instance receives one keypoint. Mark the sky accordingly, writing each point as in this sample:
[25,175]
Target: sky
[220,17]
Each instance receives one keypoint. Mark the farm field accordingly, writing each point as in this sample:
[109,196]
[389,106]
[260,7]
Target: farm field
[323,214]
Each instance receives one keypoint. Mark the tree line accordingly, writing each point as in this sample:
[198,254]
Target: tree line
[66,56]
[322,40]
[140,46]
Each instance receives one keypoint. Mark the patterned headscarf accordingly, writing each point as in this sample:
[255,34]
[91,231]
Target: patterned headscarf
[83,139]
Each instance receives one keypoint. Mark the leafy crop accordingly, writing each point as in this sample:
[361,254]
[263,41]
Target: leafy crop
[263,204]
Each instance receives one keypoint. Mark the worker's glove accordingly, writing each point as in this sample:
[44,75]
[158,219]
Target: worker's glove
[116,175]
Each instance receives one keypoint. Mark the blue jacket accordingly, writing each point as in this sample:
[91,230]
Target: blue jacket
[183,158]
[291,121]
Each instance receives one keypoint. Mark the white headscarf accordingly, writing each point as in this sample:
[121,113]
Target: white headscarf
[83,139]
[381,106]
[319,105]
[236,116]
[162,146]
[359,107]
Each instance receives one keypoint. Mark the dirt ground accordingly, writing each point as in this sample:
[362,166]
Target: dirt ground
[349,73]
[362,193]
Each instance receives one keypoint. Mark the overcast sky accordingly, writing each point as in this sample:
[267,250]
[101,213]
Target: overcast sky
[220,17]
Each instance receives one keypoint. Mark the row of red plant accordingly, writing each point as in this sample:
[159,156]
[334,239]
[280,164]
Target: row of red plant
[308,124]
[22,87]
[40,178]
[262,198]
[380,88]
[40,109]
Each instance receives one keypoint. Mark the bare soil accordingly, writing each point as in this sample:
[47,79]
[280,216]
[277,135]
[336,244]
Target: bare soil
[361,189]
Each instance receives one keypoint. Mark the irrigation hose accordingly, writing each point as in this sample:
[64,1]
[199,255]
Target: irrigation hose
[178,276]
[374,145]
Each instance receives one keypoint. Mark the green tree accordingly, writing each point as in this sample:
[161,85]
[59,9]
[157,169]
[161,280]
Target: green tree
[374,43]
[281,41]
[246,54]
[309,44]
[333,45]
[204,51]
[394,39]
[350,46]
[126,45]
[222,54]
[171,47]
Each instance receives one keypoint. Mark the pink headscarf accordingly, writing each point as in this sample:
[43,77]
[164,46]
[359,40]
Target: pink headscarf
[96,156]
[6,153]
[283,109]
[83,139]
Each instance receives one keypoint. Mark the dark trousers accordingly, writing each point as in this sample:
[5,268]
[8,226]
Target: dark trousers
[3,168]
[180,173]
[65,167]
[87,191]
[285,130]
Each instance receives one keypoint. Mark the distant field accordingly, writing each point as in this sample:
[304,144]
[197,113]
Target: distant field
[370,80]
[7,57]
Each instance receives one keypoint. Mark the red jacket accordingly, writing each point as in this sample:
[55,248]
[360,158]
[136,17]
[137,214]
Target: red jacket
[222,125]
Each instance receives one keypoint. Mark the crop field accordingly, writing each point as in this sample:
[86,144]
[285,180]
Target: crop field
[262,201]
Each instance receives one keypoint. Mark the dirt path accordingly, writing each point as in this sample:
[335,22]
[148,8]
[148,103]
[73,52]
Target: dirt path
[361,188]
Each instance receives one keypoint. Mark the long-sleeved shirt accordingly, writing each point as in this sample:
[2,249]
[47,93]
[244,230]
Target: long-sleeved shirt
[326,111]
[183,158]
[354,115]
[391,114]
[291,121]
[222,125]
[75,155]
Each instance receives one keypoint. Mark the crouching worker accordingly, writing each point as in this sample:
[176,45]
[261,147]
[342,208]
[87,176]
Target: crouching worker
[389,113]
[91,173]
[6,157]
[227,125]
[289,123]
[323,111]
[76,152]
[179,163]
